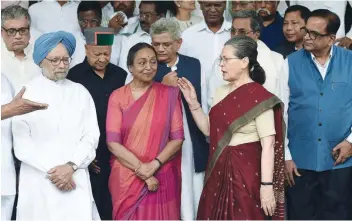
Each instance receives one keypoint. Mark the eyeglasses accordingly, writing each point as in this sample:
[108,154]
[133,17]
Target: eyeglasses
[164,45]
[93,22]
[13,31]
[312,34]
[57,61]
[146,15]
[235,31]
[226,60]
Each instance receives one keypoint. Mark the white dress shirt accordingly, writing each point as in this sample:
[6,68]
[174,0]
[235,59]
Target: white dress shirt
[67,131]
[49,16]
[284,93]
[8,173]
[128,43]
[80,51]
[270,61]
[18,72]
[107,11]
[201,43]
[336,6]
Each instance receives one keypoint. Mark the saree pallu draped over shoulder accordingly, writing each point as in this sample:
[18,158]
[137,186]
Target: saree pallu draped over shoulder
[144,126]
[233,176]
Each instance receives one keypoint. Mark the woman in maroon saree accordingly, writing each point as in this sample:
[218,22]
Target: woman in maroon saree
[245,175]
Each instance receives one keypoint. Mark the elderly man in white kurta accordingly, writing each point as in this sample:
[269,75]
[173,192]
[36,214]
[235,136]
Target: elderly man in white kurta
[16,51]
[249,23]
[56,145]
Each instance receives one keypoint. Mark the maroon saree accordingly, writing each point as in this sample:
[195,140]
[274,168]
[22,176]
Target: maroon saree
[232,180]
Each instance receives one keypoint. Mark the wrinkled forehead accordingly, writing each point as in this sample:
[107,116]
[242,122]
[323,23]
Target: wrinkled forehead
[242,23]
[317,24]
[59,51]
[98,48]
[21,22]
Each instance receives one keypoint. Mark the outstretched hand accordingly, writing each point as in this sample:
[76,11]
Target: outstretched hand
[188,92]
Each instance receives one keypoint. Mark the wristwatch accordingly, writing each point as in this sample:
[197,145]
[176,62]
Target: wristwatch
[73,165]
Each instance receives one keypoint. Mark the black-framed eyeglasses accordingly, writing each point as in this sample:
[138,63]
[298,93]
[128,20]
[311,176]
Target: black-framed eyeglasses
[235,31]
[312,34]
[93,22]
[13,31]
[146,15]
[57,61]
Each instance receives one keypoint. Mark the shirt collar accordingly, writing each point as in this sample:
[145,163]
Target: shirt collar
[330,54]
[88,68]
[175,65]
[226,26]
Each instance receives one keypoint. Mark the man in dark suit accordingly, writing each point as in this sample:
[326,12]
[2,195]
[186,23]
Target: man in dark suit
[166,40]
[101,78]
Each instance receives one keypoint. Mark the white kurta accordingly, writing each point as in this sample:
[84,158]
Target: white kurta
[18,72]
[270,61]
[66,131]
[8,172]
[49,16]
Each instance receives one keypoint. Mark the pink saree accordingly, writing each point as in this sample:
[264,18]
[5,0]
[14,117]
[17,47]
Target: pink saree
[144,126]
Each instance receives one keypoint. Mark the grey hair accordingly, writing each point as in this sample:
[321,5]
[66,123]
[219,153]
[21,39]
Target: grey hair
[14,12]
[166,25]
[246,47]
[256,20]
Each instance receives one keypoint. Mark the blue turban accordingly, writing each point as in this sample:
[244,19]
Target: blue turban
[47,42]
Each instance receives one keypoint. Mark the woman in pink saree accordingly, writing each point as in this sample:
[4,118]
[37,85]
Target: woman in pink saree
[144,134]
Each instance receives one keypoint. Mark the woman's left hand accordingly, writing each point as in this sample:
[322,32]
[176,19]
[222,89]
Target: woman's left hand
[146,170]
[267,199]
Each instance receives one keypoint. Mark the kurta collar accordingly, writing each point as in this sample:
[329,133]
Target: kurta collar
[175,65]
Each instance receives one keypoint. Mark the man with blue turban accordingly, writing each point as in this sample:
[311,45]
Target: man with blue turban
[56,145]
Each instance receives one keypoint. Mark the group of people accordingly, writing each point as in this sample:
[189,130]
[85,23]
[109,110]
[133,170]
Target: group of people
[129,110]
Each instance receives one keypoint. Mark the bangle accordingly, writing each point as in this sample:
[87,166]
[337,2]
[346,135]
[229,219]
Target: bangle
[195,108]
[266,183]
[160,163]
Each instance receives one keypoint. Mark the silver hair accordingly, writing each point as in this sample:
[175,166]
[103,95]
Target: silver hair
[256,20]
[166,25]
[14,12]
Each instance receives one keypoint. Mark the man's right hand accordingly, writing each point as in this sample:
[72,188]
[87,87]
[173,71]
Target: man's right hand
[170,79]
[290,168]
[21,106]
[116,23]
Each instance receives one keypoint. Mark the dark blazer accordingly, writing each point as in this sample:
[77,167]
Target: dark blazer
[190,68]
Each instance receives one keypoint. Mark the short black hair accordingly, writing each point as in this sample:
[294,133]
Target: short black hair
[85,6]
[160,6]
[332,19]
[304,11]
